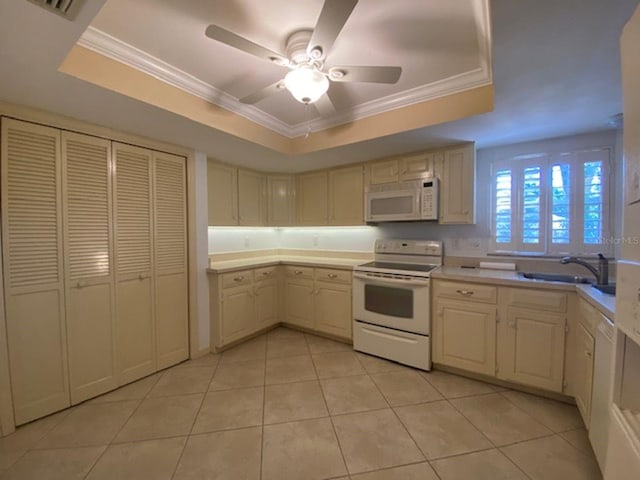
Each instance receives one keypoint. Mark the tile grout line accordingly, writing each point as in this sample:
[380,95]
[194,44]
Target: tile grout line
[326,405]
[264,401]
[195,418]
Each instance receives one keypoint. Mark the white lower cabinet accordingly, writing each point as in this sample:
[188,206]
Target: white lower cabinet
[487,330]
[319,299]
[583,375]
[465,335]
[243,303]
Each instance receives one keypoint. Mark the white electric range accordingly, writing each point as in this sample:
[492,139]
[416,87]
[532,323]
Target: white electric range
[391,301]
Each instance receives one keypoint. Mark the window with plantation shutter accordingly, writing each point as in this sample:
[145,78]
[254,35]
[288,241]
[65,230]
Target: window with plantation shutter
[32,208]
[552,204]
[133,224]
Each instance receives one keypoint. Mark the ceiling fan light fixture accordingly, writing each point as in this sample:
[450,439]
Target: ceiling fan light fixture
[306,84]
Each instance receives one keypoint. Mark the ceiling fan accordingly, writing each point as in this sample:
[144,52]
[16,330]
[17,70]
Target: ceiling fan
[306,52]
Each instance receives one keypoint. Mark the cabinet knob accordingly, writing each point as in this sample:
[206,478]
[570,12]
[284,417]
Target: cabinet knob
[332,275]
[142,276]
[466,293]
[297,272]
[238,279]
[81,284]
[512,324]
[266,274]
[588,353]
[465,212]
[311,291]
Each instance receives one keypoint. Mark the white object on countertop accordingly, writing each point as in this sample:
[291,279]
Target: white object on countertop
[498,265]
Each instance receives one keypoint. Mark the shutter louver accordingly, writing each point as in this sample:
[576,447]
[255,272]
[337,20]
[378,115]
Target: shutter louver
[87,168]
[32,208]
[170,215]
[133,236]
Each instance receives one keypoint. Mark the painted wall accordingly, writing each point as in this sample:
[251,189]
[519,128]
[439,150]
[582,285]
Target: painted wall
[459,240]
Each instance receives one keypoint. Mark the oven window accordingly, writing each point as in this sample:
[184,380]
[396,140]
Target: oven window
[391,301]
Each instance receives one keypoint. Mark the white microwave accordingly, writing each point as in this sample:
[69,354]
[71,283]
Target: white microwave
[401,202]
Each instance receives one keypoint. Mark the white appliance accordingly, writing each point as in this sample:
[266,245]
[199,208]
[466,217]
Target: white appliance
[602,389]
[403,201]
[391,301]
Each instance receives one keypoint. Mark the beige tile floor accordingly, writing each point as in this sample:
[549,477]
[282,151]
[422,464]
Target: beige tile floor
[293,406]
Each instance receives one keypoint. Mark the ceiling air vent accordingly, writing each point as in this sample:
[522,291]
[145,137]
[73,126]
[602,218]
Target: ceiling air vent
[66,8]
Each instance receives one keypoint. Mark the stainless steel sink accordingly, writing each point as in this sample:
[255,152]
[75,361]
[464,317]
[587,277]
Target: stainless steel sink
[555,277]
[608,289]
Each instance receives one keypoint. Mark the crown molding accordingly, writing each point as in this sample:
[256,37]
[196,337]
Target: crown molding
[111,47]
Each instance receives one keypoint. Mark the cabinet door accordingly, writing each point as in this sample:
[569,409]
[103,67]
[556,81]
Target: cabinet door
[33,269]
[531,348]
[135,325]
[384,172]
[333,313]
[299,302]
[222,192]
[266,301]
[346,196]
[585,346]
[280,200]
[464,336]
[238,318]
[456,169]
[89,278]
[170,259]
[251,198]
[311,196]
[413,167]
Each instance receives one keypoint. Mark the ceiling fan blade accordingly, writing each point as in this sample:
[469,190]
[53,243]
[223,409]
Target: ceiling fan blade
[324,105]
[229,38]
[365,74]
[332,18]
[264,93]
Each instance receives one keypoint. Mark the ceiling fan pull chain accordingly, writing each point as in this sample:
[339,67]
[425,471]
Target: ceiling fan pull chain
[306,120]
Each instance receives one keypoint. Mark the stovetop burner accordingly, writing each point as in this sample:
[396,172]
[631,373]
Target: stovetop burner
[409,267]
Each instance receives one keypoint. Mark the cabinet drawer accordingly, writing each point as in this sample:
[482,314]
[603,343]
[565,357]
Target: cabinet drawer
[466,291]
[335,276]
[546,300]
[299,272]
[266,273]
[234,279]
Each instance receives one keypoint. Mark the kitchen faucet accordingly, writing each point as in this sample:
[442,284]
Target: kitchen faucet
[601,273]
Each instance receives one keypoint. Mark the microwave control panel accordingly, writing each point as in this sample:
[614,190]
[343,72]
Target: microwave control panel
[430,199]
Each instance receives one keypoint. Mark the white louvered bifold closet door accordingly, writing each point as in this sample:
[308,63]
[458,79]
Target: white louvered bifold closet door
[135,325]
[170,221]
[33,268]
[89,278]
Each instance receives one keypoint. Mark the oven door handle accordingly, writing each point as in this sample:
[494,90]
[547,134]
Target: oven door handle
[390,281]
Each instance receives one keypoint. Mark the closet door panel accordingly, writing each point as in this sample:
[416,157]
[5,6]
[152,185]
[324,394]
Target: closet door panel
[88,265]
[135,325]
[33,271]
[172,311]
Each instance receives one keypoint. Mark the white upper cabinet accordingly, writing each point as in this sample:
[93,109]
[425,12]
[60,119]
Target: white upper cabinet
[456,169]
[222,191]
[251,198]
[280,196]
[416,166]
[346,196]
[386,171]
[311,198]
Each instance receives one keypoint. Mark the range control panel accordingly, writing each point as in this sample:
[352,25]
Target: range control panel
[409,247]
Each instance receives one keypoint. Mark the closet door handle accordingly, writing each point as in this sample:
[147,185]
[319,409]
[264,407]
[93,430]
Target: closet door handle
[81,284]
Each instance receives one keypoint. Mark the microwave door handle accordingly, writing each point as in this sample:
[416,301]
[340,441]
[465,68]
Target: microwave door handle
[387,281]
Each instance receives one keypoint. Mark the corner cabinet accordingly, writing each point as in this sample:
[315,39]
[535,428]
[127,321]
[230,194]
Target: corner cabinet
[346,196]
[456,170]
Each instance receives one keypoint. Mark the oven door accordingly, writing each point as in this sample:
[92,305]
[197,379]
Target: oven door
[397,303]
[389,206]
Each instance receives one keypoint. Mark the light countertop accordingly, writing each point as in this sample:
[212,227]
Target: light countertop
[224,266]
[603,302]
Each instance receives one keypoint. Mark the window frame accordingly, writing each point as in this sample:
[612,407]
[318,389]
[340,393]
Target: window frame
[576,159]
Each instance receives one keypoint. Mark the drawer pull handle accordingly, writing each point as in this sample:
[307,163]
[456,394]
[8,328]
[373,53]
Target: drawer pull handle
[266,273]
[81,284]
[297,272]
[466,293]
[332,275]
[238,279]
